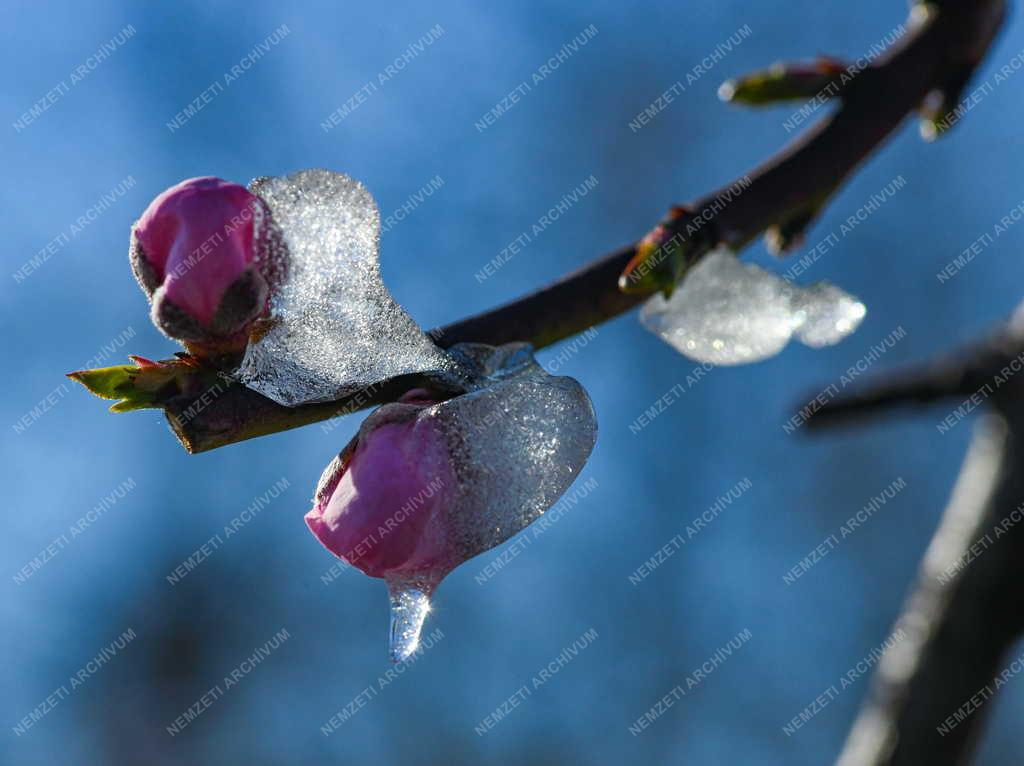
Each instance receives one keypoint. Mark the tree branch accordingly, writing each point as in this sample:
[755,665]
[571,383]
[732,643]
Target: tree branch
[807,171]
[976,371]
[962,618]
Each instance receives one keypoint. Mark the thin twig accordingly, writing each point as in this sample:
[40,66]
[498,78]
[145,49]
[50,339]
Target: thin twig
[975,372]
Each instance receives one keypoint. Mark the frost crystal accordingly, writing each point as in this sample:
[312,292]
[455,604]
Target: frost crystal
[333,327]
[726,312]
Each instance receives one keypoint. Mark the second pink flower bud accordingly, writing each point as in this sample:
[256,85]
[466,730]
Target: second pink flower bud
[202,253]
[381,504]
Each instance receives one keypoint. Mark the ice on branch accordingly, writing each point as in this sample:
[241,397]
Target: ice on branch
[333,327]
[727,312]
[426,485]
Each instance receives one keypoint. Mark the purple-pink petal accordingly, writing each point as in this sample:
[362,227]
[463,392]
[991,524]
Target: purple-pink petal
[198,238]
[385,513]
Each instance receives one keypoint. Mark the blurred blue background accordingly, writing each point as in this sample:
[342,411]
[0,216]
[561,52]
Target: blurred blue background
[111,125]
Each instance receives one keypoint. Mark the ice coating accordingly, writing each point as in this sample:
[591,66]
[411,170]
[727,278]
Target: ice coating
[426,484]
[727,312]
[518,442]
[334,327]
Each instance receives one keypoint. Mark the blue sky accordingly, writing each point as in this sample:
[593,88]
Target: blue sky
[110,138]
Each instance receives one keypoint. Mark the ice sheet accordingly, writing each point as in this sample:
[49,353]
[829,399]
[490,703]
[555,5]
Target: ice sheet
[334,327]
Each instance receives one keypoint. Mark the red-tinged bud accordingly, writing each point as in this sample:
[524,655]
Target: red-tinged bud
[200,253]
[382,504]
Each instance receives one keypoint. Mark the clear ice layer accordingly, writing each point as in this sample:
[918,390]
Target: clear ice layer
[334,327]
[518,439]
[727,312]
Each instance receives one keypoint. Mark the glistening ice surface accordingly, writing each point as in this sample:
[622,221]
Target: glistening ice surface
[728,312]
[517,441]
[334,327]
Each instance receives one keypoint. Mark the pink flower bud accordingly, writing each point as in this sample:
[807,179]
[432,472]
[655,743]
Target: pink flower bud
[426,485]
[197,253]
[381,505]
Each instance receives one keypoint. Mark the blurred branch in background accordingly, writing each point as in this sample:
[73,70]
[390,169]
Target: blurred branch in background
[932,692]
[967,377]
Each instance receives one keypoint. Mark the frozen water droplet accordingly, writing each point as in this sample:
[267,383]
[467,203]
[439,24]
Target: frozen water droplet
[334,327]
[727,312]
[409,608]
